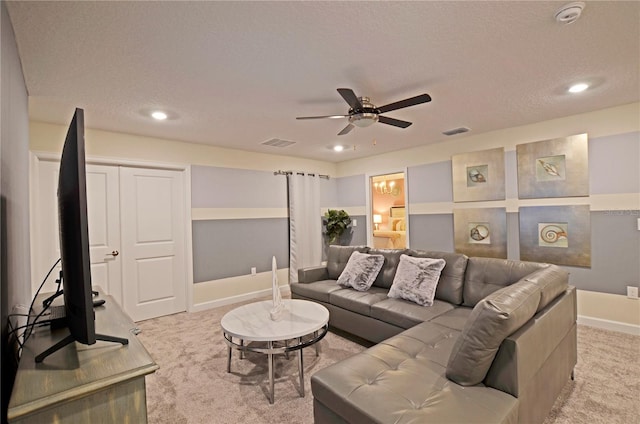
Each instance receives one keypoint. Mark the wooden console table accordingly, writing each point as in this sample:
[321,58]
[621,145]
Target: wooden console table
[100,383]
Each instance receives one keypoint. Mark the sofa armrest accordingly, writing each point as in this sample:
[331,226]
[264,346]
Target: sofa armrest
[311,274]
[523,353]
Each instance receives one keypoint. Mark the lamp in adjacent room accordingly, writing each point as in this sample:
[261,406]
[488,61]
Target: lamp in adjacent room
[377,220]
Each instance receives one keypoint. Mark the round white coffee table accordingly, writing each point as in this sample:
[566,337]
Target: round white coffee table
[302,324]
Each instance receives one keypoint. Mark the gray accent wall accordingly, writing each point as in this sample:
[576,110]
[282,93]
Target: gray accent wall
[615,253]
[352,191]
[430,183]
[614,164]
[230,247]
[213,187]
[431,232]
[15,270]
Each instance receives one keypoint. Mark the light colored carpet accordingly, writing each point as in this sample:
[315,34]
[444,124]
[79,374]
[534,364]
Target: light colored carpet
[193,387]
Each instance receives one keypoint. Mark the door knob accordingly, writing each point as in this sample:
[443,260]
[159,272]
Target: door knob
[115,253]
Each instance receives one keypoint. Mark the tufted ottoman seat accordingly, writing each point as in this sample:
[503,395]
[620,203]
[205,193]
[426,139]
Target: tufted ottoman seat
[407,371]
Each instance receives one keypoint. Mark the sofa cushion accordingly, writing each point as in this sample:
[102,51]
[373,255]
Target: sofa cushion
[491,321]
[452,276]
[454,319]
[401,380]
[318,290]
[388,271]
[486,275]
[360,271]
[358,301]
[552,281]
[405,314]
[416,279]
[338,256]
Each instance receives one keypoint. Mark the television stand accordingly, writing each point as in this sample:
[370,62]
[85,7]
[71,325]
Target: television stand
[84,383]
[69,339]
[60,292]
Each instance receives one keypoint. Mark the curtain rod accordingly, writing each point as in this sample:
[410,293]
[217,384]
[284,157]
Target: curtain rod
[300,173]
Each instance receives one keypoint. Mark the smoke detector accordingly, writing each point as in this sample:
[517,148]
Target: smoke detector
[570,12]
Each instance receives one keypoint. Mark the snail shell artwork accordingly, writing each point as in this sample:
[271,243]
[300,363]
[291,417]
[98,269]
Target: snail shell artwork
[479,233]
[476,176]
[553,235]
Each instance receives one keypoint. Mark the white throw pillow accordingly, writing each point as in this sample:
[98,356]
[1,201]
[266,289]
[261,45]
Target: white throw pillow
[416,279]
[361,271]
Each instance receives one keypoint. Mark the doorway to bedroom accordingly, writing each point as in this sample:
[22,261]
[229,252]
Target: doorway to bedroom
[387,211]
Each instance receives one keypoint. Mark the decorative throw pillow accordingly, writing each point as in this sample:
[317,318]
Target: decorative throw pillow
[492,320]
[416,279]
[361,271]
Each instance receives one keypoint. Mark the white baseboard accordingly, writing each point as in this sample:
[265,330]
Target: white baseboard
[284,290]
[606,324]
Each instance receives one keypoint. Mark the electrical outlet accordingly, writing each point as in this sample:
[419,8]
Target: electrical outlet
[632,292]
[253,270]
[354,222]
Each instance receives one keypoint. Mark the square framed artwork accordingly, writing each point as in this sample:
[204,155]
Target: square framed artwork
[478,176]
[481,232]
[559,235]
[554,168]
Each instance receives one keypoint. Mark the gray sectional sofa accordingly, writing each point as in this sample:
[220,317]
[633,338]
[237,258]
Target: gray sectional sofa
[497,345]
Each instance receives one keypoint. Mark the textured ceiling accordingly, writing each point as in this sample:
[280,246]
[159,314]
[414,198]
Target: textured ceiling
[236,74]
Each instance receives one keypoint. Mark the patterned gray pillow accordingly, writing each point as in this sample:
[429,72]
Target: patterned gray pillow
[361,271]
[416,279]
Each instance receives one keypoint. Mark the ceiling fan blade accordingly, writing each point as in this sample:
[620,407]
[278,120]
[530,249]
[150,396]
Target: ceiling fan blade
[423,98]
[346,129]
[394,122]
[323,117]
[350,97]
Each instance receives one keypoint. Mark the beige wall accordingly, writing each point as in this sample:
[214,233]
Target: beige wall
[609,311]
[46,137]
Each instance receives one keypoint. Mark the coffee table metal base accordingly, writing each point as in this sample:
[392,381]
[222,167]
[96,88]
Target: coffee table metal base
[276,347]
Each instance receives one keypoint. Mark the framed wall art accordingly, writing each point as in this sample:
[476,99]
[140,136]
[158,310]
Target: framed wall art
[554,168]
[559,235]
[481,232]
[478,176]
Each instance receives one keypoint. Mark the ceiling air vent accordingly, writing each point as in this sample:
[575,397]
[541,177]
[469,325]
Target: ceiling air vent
[276,142]
[456,131]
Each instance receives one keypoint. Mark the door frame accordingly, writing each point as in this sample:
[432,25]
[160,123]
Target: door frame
[369,205]
[35,157]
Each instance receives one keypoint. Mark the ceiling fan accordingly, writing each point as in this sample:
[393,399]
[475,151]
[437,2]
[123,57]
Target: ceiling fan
[363,113]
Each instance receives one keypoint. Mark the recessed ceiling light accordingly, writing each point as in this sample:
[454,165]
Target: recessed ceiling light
[338,148]
[578,88]
[159,115]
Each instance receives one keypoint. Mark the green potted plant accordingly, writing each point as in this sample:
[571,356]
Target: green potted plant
[335,223]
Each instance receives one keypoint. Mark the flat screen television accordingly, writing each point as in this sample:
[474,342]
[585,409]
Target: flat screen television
[74,235]
[74,243]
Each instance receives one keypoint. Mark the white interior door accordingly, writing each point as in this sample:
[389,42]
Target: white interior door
[104,226]
[103,194]
[153,242]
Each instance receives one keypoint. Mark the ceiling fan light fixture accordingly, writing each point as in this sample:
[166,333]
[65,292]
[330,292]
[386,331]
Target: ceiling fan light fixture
[363,120]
